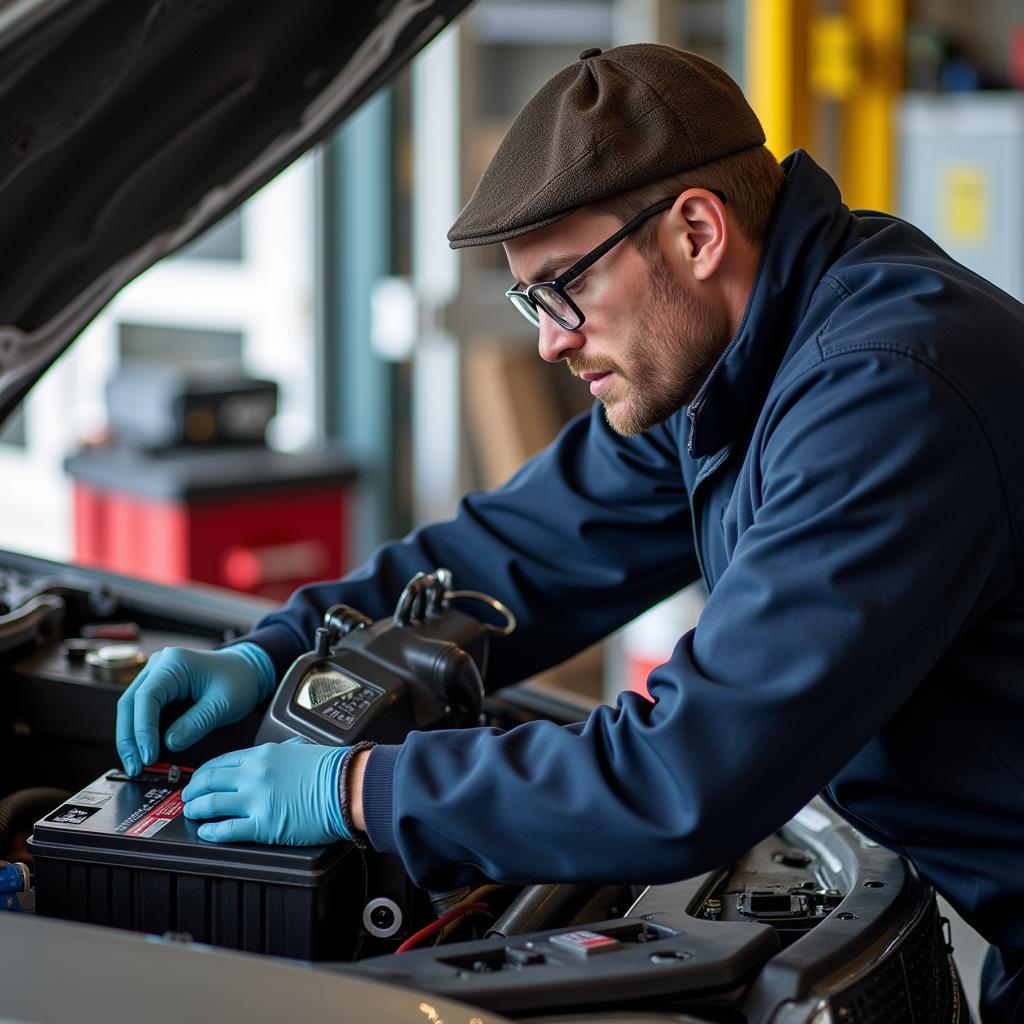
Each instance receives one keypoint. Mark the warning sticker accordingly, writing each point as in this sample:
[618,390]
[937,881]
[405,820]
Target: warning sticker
[966,191]
[69,814]
[585,943]
[150,799]
[91,799]
[151,822]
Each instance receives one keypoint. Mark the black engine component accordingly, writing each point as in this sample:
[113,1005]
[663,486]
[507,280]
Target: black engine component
[879,956]
[812,924]
[538,906]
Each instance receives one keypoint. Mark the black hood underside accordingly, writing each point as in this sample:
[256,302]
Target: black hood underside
[127,127]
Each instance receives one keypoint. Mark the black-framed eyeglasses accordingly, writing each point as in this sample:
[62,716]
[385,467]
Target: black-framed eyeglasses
[551,297]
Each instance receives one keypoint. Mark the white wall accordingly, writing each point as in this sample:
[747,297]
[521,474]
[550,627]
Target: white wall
[268,297]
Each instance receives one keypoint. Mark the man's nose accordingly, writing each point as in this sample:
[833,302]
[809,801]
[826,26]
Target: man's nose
[555,341]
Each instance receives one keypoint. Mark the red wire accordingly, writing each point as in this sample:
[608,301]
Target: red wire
[436,926]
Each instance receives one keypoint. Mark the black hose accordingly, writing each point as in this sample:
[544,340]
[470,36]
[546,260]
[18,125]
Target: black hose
[541,906]
[22,809]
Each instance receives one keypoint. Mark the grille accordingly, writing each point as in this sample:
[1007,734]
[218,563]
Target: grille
[914,985]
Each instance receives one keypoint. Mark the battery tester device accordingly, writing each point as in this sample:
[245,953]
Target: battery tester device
[421,669]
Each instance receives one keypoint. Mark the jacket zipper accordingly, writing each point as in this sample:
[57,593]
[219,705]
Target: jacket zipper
[706,470]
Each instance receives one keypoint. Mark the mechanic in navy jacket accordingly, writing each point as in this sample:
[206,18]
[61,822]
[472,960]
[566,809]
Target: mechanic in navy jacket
[816,410]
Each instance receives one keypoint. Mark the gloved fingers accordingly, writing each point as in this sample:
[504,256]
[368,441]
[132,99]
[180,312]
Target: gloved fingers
[216,776]
[217,805]
[194,724]
[127,748]
[130,757]
[166,680]
[148,702]
[298,739]
[231,759]
[231,830]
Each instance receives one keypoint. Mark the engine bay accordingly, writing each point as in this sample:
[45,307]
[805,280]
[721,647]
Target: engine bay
[814,919]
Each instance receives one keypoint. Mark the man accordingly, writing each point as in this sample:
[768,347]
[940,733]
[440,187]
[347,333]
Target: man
[816,410]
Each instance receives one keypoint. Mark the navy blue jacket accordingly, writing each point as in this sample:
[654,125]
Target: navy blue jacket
[850,483]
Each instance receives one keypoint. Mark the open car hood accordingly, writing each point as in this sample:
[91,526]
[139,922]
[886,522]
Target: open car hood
[127,127]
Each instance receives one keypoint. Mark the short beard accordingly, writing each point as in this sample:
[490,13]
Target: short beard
[675,345]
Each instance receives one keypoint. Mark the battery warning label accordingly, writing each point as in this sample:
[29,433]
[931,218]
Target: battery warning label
[153,820]
[69,814]
[90,799]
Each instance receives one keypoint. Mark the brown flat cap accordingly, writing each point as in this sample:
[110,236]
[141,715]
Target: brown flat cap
[607,123]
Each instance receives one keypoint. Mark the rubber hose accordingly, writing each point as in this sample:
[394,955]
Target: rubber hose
[541,906]
[24,808]
[442,902]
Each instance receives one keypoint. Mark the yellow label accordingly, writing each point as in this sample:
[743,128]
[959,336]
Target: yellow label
[964,195]
[833,56]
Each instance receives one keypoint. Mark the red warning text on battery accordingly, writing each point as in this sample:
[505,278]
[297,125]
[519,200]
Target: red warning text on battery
[165,811]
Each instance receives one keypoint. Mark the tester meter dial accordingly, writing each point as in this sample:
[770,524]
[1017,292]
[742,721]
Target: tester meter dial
[423,668]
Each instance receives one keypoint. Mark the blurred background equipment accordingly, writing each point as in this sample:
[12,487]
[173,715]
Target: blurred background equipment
[188,489]
[962,161]
[157,406]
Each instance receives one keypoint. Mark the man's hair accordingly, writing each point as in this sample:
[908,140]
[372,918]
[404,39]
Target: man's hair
[750,180]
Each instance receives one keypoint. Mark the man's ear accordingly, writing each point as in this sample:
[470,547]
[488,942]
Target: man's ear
[698,232]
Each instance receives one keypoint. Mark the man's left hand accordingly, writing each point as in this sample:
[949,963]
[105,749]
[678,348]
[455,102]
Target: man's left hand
[283,793]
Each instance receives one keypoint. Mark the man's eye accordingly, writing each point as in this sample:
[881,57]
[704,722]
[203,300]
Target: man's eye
[575,286]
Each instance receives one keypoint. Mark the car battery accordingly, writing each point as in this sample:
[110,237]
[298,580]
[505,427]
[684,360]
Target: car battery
[122,853]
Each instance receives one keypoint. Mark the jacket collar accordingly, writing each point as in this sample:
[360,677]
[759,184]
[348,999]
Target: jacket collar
[811,228]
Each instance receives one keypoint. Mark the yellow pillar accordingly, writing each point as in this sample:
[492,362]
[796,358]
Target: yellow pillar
[776,71]
[868,129]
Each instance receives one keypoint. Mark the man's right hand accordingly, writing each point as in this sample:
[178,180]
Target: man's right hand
[225,686]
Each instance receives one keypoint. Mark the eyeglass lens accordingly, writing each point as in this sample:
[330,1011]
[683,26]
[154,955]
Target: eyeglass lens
[526,307]
[553,303]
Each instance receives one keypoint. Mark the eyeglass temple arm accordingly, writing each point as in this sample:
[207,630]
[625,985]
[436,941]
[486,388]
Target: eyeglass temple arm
[609,243]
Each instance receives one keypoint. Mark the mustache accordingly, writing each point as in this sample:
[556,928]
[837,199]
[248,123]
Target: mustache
[578,366]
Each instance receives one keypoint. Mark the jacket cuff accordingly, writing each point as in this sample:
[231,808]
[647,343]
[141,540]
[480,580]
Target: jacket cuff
[378,797]
[348,754]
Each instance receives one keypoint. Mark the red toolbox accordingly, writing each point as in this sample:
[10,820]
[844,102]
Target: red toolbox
[247,518]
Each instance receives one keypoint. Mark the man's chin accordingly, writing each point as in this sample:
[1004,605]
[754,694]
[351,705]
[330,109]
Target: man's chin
[619,417]
[628,421]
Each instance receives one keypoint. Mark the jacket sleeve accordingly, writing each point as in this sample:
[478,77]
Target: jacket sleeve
[584,537]
[879,531]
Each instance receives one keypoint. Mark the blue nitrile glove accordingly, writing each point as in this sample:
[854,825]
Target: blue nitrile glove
[225,685]
[283,793]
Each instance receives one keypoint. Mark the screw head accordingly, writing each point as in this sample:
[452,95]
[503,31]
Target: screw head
[382,917]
